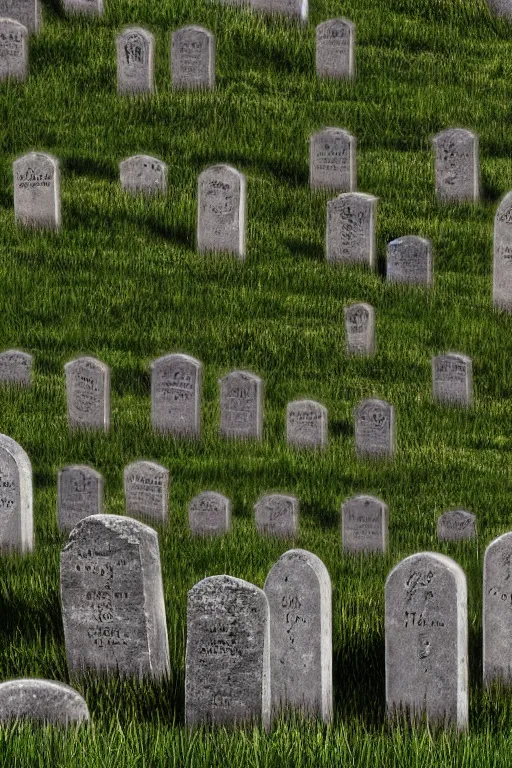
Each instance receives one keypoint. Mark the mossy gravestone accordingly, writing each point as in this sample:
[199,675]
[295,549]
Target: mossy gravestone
[306,424]
[375,429]
[143,174]
[409,260]
[335,42]
[41,701]
[241,405]
[13,50]
[332,160]
[456,166]
[497,612]
[277,514]
[364,524]
[193,58]
[16,515]
[452,379]
[209,514]
[135,61]
[16,368]
[146,491]
[88,393]
[502,261]
[360,329]
[37,191]
[79,495]
[221,209]
[350,236]
[176,385]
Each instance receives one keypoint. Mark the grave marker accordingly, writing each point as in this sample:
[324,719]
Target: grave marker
[193,58]
[79,495]
[88,7]
[37,191]
[293,9]
[209,514]
[456,165]
[88,393]
[277,514]
[306,424]
[456,525]
[41,701]
[350,237]
[360,329]
[13,50]
[502,261]
[497,616]
[241,405]
[452,379]
[335,41]
[221,210]
[409,260]
[146,491]
[176,384]
[16,368]
[16,516]
[364,524]
[375,429]
[332,160]
[142,173]
[26,12]
[135,61]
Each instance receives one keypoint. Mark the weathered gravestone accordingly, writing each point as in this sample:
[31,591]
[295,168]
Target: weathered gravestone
[193,58]
[13,50]
[350,237]
[364,524]
[176,382]
[298,589]
[375,429]
[335,41]
[112,599]
[142,173]
[79,495]
[209,514]
[456,525]
[37,191]
[88,393]
[456,165]
[332,160]
[16,517]
[26,12]
[135,61]
[146,491]
[89,7]
[501,7]
[452,379]
[502,261]
[294,9]
[227,664]
[277,514]
[306,424]
[221,210]
[241,405]
[41,701]
[409,260]
[360,329]
[497,613]
[426,631]
[16,368]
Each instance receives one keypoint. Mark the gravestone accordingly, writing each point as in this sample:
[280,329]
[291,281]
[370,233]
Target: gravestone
[332,160]
[350,237]
[193,58]
[209,514]
[293,9]
[364,524]
[298,589]
[375,429]
[88,7]
[227,664]
[142,173]
[501,7]
[456,165]
[112,599]
[221,210]
[16,368]
[306,424]
[88,393]
[335,41]
[135,61]
[41,701]
[37,191]
[409,260]
[146,491]
[241,405]
[426,629]
[277,514]
[16,516]
[26,12]
[13,50]
[452,379]
[502,261]
[360,329]
[456,525]
[176,384]
[79,495]
[497,616]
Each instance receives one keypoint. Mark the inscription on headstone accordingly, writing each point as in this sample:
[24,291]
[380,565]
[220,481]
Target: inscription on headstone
[294,9]
[79,495]
[360,329]
[497,615]
[306,424]
[335,41]
[452,379]
[277,515]
[456,165]
[26,12]
[37,191]
[332,160]
[456,525]
[241,405]
[142,173]
[351,229]
[221,210]
[16,516]
[375,429]
[88,393]
[16,368]
[409,260]
[135,61]
[13,50]
[146,491]
[193,58]
[41,701]
[176,383]
[364,524]
[502,261]
[209,514]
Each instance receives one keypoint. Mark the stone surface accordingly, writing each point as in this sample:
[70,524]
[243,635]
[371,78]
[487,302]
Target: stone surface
[227,663]
[193,58]
[332,160]
[16,515]
[497,616]
[294,9]
[350,235]
[112,599]
[277,514]
[209,514]
[298,589]
[306,424]
[241,405]
[79,495]
[456,525]
[221,210]
[88,393]
[26,12]
[37,191]
[41,701]
[176,385]
[501,7]
[142,173]
[135,61]
[13,50]
[426,630]
[360,329]
[364,524]
[89,7]
[16,368]
[409,260]
[335,41]
[456,165]
[375,429]
[146,491]
[502,261]
[452,379]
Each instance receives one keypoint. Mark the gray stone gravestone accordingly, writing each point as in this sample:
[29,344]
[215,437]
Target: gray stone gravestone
[79,495]
[350,237]
[227,663]
[456,525]
[26,12]
[146,491]
[306,424]
[375,429]
[112,599]
[88,7]
[221,210]
[135,61]
[335,41]
[293,9]
[193,58]
[409,260]
[426,629]
[502,259]
[16,368]
[88,393]
[209,514]
[41,701]
[501,7]
[456,165]
[277,514]
[360,329]
[176,384]
[332,160]
[364,524]
[16,516]
[452,379]
[298,589]
[142,173]
[497,616]
[37,191]
[241,405]
[13,50]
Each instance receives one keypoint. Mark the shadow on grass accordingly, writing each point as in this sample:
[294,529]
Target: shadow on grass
[303,249]
[359,681]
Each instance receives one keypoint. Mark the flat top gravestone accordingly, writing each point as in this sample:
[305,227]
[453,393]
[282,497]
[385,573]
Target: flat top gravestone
[13,50]
[452,379]
[221,210]
[112,599]
[306,424]
[88,393]
[16,368]
[277,514]
[37,191]
[145,174]
[426,630]
[27,12]
[193,58]
[209,514]
[227,664]
[298,589]
[241,405]
[375,429]
[294,9]
[16,517]
[456,165]
[360,329]
[350,235]
[456,525]
[502,260]
[135,61]
[364,524]
[176,383]
[335,41]
[497,616]
[42,701]
[146,491]
[92,7]
[79,495]
[332,160]
[409,260]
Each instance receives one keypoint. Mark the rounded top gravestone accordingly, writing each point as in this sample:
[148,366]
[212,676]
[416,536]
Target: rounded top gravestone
[193,57]
[221,210]
[88,393]
[241,405]
[13,50]
[456,165]
[335,40]
[16,516]
[37,190]
[360,329]
[375,429]
[332,160]
[135,61]
[502,258]
[143,173]
[409,260]
[16,367]
[42,701]
[176,383]
[350,231]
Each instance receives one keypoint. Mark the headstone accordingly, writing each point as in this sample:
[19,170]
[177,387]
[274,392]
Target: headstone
[298,589]
[193,58]
[360,329]
[88,393]
[221,210]
[500,7]
[209,514]
[456,165]
[26,12]
[364,524]
[375,429]
[227,664]
[41,701]
[306,424]
[241,405]
[135,61]
[277,514]
[456,525]
[146,491]
[16,368]
[79,495]
[176,383]
[332,160]
[452,379]
[351,229]
[16,517]
[37,191]
[293,9]
[13,50]
[335,41]
[502,261]
[426,629]
[112,599]
[89,7]
[409,260]
[497,616]
[142,173]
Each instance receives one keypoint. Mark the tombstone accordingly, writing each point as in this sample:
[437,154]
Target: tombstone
[502,261]
[26,12]
[135,61]
[426,629]
[364,524]
[209,514]
[41,701]
[350,235]
[88,393]
[79,495]
[298,589]
[112,599]
[335,40]
[146,491]
[375,429]
[456,166]
[37,191]
[409,260]
[221,210]
[306,424]
[277,514]
[293,9]
[227,664]
[88,7]
[193,58]
[16,517]
[500,7]
[360,329]
[16,368]
[332,160]
[241,405]
[13,50]
[452,379]
[456,525]
[176,384]
[497,616]
[142,173]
